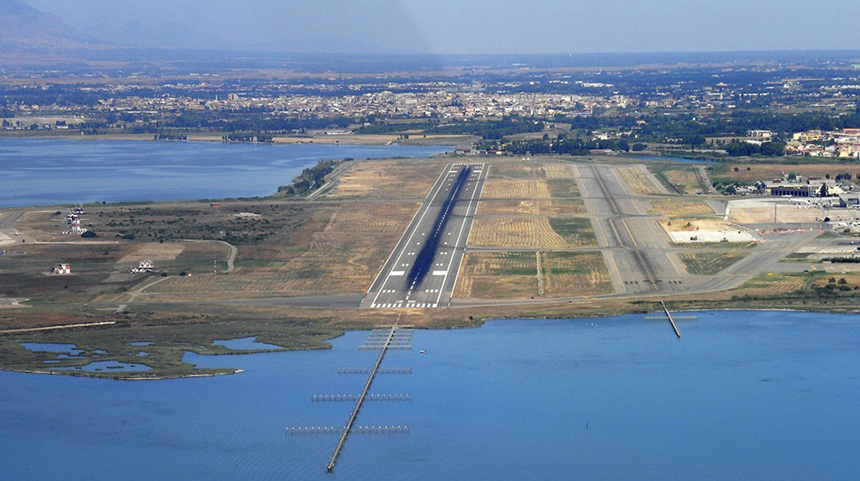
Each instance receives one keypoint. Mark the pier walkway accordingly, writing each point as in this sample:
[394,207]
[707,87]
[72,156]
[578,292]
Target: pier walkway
[383,345]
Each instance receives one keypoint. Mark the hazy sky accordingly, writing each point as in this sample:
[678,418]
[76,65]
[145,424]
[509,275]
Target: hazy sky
[499,26]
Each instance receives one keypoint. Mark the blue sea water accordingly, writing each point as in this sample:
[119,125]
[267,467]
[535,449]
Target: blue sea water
[61,171]
[743,395]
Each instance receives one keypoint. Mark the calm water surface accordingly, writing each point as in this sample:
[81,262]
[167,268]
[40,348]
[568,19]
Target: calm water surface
[57,171]
[765,396]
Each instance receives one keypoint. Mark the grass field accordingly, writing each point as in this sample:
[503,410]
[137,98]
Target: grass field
[387,179]
[340,254]
[562,188]
[768,171]
[674,208]
[510,171]
[503,233]
[709,263]
[557,171]
[684,180]
[508,207]
[497,275]
[574,231]
[575,274]
[775,283]
[639,180]
[508,189]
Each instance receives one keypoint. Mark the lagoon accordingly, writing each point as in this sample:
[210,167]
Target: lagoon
[62,171]
[744,395]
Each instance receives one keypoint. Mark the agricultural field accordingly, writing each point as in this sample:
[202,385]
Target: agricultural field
[508,189]
[709,263]
[508,207]
[675,208]
[574,274]
[639,180]
[504,233]
[387,179]
[497,275]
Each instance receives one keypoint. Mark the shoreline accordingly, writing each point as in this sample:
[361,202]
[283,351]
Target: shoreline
[352,139]
[474,324]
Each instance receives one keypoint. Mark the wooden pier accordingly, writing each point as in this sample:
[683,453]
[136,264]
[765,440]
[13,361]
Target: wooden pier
[377,342]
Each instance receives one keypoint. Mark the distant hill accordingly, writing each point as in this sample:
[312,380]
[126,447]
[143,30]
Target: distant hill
[23,28]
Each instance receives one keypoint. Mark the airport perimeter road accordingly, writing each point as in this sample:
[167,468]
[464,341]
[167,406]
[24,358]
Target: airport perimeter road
[422,270]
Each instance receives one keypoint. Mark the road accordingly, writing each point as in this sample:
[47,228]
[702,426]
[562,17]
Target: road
[422,270]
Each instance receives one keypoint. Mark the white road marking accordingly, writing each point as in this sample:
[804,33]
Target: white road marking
[397,273]
[459,236]
[428,201]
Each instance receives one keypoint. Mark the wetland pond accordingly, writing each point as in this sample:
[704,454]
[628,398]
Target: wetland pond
[743,395]
[62,171]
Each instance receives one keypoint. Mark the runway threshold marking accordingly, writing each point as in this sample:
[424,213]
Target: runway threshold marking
[427,202]
[460,236]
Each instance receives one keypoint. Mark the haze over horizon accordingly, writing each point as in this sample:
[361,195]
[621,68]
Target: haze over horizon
[452,27]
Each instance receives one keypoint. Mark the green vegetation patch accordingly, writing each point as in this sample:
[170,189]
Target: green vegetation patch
[562,188]
[167,344]
[709,263]
[575,230]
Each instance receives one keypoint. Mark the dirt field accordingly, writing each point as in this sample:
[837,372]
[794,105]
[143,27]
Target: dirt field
[387,179]
[562,207]
[704,231]
[674,208]
[575,274]
[152,251]
[497,275]
[639,180]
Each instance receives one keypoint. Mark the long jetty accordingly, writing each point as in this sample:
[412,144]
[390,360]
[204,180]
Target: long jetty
[351,421]
[671,320]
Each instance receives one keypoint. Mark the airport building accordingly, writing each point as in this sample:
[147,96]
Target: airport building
[812,187]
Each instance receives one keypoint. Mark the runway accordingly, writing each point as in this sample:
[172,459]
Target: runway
[422,270]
